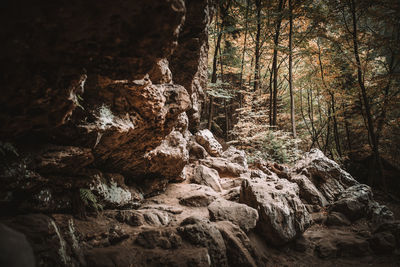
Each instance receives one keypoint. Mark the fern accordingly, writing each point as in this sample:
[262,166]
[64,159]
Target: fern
[7,148]
[90,199]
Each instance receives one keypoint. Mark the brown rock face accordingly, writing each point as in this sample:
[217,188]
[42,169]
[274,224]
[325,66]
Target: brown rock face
[189,64]
[103,85]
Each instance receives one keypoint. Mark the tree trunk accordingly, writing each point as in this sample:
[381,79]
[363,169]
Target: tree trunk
[274,63]
[210,113]
[367,107]
[292,117]
[257,52]
[270,97]
[335,127]
[347,127]
[243,53]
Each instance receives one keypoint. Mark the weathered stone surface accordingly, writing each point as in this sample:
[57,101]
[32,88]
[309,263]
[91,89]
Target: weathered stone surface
[137,256]
[160,73]
[235,155]
[203,233]
[196,151]
[137,124]
[156,238]
[133,218]
[59,159]
[325,174]
[52,242]
[189,64]
[379,214]
[233,194]
[383,242]
[332,243]
[56,71]
[354,202]
[267,167]
[224,167]
[170,157]
[98,89]
[282,215]
[337,219]
[319,217]
[229,183]
[308,191]
[15,249]
[206,139]
[198,199]
[239,249]
[240,214]
[111,191]
[206,176]
[162,207]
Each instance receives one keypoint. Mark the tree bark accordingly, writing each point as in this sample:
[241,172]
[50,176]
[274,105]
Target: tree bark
[292,114]
[243,53]
[257,50]
[274,62]
[367,107]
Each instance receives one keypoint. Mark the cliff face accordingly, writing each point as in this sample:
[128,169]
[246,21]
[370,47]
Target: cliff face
[87,89]
[99,114]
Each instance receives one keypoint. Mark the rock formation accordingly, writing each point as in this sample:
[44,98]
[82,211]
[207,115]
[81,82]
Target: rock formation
[103,162]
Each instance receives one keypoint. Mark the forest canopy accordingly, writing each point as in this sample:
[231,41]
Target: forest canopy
[289,75]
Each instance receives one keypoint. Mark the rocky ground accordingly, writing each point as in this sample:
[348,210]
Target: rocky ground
[226,214]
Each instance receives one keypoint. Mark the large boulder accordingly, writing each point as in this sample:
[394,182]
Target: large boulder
[282,215]
[240,214]
[354,202]
[206,176]
[235,155]
[308,191]
[240,251]
[325,174]
[357,202]
[170,157]
[333,243]
[207,140]
[225,167]
[203,233]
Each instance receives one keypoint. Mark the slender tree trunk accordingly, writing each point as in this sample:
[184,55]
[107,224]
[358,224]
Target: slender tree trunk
[225,102]
[382,116]
[210,113]
[244,52]
[257,52]
[223,13]
[251,66]
[292,117]
[371,129]
[328,131]
[347,127]
[270,97]
[332,106]
[226,120]
[214,75]
[274,62]
[335,127]
[215,58]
